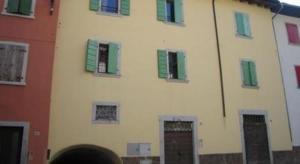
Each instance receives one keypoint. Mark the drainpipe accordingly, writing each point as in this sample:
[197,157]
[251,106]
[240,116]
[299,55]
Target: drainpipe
[279,60]
[219,59]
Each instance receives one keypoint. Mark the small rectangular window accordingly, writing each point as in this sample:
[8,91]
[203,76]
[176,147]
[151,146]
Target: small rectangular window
[297,68]
[105,113]
[249,73]
[293,34]
[173,72]
[13,59]
[111,6]
[19,7]
[242,24]
[102,58]
[170,11]
[171,65]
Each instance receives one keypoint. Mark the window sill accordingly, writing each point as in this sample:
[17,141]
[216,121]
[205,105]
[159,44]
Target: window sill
[18,15]
[243,36]
[107,75]
[105,122]
[174,23]
[13,83]
[177,80]
[250,87]
[109,14]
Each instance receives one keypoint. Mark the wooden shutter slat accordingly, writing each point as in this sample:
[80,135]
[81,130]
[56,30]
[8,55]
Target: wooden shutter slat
[161,10]
[162,64]
[178,11]
[12,6]
[247,30]
[125,7]
[181,66]
[94,5]
[293,34]
[246,73]
[253,75]
[91,55]
[3,61]
[239,23]
[113,52]
[25,7]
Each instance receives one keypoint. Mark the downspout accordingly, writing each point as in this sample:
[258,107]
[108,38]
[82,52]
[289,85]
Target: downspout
[279,60]
[219,59]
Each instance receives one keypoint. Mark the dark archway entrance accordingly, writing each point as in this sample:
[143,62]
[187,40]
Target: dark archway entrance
[86,154]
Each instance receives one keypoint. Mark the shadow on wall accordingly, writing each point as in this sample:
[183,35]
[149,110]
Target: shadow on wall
[86,154]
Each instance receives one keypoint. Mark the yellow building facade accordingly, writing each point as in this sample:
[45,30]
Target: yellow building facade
[144,101]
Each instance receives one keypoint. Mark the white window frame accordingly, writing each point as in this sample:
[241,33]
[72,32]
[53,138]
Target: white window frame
[236,28]
[25,138]
[194,121]
[118,74]
[31,16]
[185,61]
[110,13]
[254,112]
[25,61]
[95,104]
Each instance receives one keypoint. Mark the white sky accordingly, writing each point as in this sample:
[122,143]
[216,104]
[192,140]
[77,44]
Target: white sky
[294,2]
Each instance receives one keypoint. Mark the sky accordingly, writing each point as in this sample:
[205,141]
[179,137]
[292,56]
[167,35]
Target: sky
[294,2]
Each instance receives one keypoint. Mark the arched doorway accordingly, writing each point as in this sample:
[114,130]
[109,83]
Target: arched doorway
[86,154]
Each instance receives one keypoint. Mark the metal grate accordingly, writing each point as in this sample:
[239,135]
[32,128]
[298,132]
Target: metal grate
[106,113]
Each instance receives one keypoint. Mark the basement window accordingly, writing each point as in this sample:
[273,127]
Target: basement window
[105,113]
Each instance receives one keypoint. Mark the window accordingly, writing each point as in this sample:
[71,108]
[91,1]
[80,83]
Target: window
[13,60]
[171,65]
[242,24]
[297,68]
[293,34]
[105,113]
[19,7]
[102,58]
[249,73]
[14,142]
[111,6]
[170,11]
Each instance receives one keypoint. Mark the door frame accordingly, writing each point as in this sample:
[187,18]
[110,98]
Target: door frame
[192,119]
[25,137]
[254,112]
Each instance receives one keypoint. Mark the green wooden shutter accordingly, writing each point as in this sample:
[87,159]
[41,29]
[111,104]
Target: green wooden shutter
[162,64]
[12,6]
[94,5]
[125,7]
[91,55]
[246,25]
[161,10]
[113,52]
[246,73]
[253,73]
[239,18]
[178,11]
[25,7]
[181,66]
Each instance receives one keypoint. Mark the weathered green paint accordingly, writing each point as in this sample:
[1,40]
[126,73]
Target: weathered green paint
[113,53]
[181,66]
[161,10]
[162,64]
[91,55]
[125,7]
[94,5]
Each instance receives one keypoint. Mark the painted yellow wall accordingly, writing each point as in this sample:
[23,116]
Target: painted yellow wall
[143,97]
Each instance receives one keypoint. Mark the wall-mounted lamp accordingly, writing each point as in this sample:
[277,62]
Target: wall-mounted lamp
[51,7]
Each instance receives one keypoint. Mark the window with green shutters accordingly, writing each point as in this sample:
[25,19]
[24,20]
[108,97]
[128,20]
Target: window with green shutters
[171,65]
[242,24]
[20,7]
[249,73]
[170,11]
[111,6]
[102,57]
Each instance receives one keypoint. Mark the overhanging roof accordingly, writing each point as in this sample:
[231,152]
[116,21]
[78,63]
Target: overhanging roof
[262,3]
[289,10]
